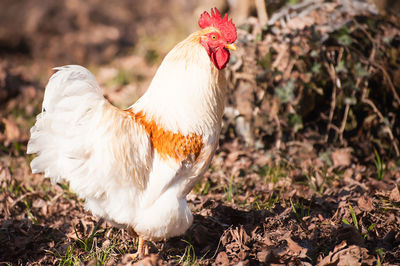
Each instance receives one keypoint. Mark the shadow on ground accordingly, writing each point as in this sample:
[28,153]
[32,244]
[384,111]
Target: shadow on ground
[21,241]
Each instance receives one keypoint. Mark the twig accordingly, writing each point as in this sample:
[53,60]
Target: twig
[388,79]
[279,57]
[275,117]
[219,242]
[344,121]
[289,67]
[23,197]
[245,76]
[309,9]
[346,114]
[305,145]
[284,12]
[262,12]
[365,99]
[332,74]
[385,75]
[299,96]
[279,134]
[336,85]
[371,60]
[372,40]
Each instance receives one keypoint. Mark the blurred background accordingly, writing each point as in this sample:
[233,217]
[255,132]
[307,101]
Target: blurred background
[282,42]
[313,115]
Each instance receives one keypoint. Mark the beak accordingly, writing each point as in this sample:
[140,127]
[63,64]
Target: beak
[231,46]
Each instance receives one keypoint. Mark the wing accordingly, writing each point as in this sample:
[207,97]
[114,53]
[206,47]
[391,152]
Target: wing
[82,138]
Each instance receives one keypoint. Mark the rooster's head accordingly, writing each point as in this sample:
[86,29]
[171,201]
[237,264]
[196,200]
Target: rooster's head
[218,37]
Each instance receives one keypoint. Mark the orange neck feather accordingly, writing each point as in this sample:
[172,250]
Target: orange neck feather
[167,143]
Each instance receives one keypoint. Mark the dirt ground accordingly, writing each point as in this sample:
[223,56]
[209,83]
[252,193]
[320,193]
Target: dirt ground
[307,171]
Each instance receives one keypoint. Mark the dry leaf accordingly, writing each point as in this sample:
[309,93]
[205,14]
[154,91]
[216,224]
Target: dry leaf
[222,258]
[341,157]
[267,241]
[11,131]
[150,260]
[262,255]
[395,194]
[295,248]
[297,23]
[365,203]
[347,255]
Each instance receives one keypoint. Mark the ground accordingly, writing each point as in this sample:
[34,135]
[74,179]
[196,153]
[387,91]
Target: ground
[307,171]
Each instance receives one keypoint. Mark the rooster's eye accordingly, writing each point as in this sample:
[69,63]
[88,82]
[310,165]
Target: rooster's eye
[214,37]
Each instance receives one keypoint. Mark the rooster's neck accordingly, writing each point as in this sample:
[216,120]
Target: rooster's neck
[187,93]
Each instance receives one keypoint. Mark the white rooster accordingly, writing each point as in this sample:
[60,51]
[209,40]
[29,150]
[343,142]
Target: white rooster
[135,167]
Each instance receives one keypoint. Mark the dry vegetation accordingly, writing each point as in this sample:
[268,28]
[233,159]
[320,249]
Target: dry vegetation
[308,168]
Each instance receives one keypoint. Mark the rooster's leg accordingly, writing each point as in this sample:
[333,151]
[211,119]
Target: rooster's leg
[140,253]
[142,247]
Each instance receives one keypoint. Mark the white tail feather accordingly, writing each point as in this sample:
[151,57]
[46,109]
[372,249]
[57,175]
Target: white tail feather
[81,137]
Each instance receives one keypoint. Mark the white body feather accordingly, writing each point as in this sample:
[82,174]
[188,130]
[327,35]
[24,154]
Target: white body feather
[108,158]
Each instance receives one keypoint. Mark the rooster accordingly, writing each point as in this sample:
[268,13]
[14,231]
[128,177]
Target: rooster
[135,167]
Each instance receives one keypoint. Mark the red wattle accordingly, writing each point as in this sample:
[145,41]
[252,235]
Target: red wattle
[220,57]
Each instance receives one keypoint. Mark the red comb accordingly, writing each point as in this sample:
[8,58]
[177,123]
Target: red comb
[226,26]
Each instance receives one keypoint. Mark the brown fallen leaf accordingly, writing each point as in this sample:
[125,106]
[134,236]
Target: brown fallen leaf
[11,131]
[299,23]
[150,260]
[295,248]
[341,157]
[222,259]
[267,241]
[262,255]
[242,255]
[347,255]
[395,194]
[365,203]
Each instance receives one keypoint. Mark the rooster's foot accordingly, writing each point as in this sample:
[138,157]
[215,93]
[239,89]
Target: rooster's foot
[142,250]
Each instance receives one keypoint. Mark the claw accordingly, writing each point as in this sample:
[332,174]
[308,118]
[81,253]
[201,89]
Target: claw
[137,256]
